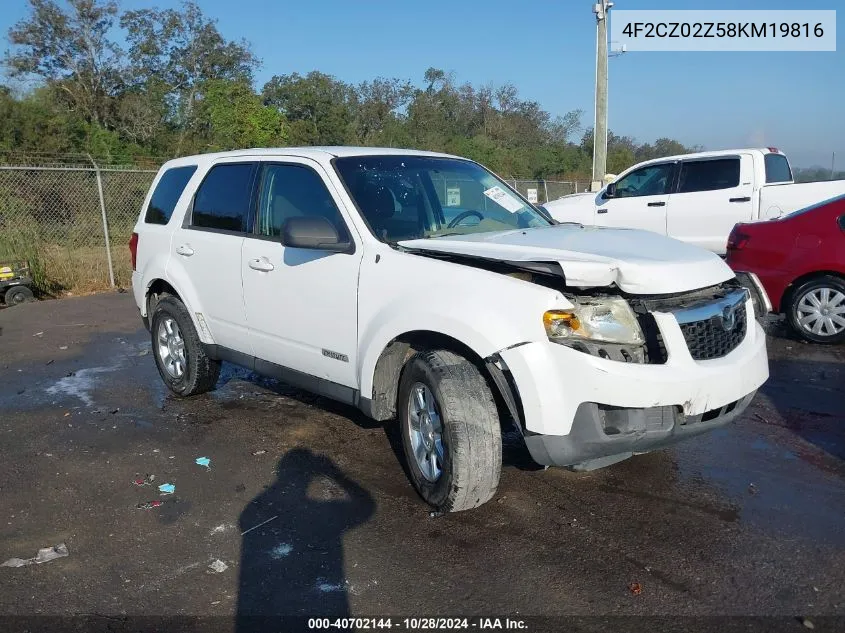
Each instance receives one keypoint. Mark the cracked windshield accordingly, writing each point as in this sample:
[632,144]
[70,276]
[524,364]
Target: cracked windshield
[411,197]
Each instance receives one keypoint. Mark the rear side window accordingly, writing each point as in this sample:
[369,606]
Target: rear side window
[167,193]
[709,175]
[777,168]
[223,198]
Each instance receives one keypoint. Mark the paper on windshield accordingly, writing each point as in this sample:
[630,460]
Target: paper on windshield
[504,199]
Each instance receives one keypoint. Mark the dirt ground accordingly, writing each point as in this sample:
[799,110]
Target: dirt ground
[307,509]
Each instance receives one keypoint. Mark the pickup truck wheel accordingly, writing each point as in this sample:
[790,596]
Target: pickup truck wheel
[17,294]
[181,360]
[450,431]
[817,309]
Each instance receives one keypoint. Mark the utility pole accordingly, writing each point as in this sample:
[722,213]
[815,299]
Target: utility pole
[832,165]
[601,9]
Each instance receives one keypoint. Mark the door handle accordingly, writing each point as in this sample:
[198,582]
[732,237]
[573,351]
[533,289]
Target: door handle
[657,204]
[185,250]
[743,199]
[602,211]
[261,264]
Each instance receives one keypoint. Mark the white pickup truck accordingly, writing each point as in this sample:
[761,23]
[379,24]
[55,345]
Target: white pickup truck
[420,287]
[697,198]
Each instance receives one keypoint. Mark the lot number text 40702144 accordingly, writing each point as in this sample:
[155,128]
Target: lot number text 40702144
[418,624]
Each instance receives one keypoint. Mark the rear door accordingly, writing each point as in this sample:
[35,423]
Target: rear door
[302,304]
[206,250]
[641,200]
[711,196]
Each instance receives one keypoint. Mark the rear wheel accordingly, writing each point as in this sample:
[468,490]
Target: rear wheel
[450,431]
[817,309]
[18,294]
[180,357]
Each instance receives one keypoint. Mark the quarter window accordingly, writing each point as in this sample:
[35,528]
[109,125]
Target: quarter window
[709,175]
[289,191]
[652,180]
[777,168]
[222,200]
[167,193]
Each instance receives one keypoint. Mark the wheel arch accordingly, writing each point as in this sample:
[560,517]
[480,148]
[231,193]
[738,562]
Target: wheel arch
[381,404]
[786,299]
[158,286]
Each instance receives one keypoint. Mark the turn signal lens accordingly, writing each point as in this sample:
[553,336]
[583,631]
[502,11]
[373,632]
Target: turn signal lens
[560,323]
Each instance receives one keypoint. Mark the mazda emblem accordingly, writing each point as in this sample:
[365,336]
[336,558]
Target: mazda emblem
[729,318]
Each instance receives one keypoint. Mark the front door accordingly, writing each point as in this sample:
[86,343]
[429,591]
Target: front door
[301,304]
[641,200]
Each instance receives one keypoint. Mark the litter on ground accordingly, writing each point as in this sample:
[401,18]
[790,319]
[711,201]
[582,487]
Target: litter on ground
[45,555]
[203,461]
[167,489]
[218,566]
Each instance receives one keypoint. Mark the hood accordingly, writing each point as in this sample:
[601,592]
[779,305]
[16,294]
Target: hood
[637,262]
[573,198]
[578,207]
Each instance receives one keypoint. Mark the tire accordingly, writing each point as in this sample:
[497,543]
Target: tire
[468,454]
[199,372]
[18,294]
[802,306]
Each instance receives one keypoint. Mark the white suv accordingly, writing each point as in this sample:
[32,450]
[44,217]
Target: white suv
[419,286]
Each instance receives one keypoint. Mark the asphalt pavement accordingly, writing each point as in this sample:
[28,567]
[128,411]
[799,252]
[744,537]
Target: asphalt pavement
[304,508]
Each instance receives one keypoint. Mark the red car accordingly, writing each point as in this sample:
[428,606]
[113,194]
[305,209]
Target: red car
[799,261]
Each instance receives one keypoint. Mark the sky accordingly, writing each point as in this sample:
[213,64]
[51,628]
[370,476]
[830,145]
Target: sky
[546,48]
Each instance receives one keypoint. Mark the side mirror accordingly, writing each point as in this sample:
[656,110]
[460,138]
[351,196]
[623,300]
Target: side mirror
[610,192]
[315,233]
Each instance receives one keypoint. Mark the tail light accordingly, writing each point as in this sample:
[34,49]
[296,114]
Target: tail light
[738,240]
[133,249]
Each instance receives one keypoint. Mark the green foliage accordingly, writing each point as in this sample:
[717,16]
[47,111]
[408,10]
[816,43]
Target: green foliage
[237,118]
[179,87]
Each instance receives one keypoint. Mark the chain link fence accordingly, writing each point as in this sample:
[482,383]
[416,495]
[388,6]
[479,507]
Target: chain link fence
[71,223]
[547,190]
[71,218]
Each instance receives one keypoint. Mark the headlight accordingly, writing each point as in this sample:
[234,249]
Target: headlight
[609,320]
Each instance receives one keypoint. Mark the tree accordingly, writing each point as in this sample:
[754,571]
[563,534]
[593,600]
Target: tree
[72,51]
[319,108]
[235,117]
[380,104]
[183,50]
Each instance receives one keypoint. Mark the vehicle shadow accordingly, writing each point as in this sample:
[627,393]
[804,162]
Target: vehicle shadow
[292,550]
[231,372]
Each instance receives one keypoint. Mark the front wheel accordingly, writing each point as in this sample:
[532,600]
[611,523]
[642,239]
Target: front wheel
[817,310]
[450,431]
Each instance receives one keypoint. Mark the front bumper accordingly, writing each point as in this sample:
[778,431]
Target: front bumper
[566,395]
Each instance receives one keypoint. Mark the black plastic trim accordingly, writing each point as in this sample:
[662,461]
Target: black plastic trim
[320,386]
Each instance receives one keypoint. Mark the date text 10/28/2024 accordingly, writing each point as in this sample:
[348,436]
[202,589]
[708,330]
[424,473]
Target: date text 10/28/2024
[418,624]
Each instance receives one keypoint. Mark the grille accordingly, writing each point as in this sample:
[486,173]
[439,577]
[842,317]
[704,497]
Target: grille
[709,339]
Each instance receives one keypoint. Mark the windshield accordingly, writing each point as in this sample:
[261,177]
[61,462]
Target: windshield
[412,197]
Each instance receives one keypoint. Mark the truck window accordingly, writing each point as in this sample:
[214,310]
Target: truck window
[777,168]
[222,200]
[709,175]
[289,191]
[167,193]
[651,180]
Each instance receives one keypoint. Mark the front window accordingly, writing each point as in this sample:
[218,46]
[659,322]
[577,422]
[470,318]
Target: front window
[412,197]
[652,180]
